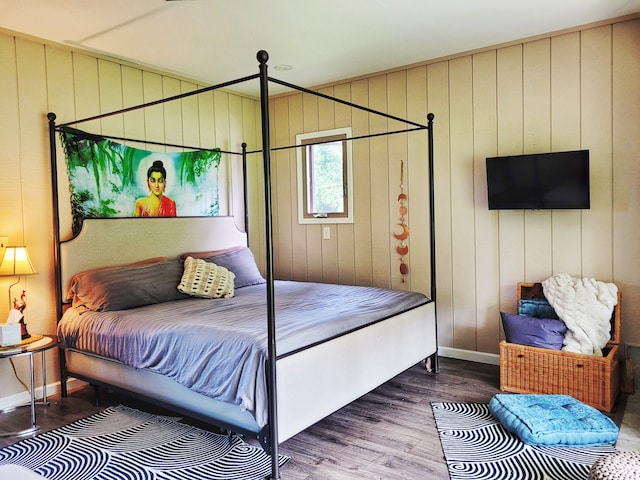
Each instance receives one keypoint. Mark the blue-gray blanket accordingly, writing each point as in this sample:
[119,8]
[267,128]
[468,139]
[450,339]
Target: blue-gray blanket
[218,347]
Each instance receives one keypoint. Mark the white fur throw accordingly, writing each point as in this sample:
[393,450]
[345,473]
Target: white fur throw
[585,305]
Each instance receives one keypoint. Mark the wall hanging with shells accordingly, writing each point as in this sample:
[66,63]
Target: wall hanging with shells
[403,247]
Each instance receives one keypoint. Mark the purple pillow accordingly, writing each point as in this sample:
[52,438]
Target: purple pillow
[242,263]
[533,331]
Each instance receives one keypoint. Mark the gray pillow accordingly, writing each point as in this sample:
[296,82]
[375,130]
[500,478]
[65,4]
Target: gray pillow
[533,331]
[121,288]
[242,263]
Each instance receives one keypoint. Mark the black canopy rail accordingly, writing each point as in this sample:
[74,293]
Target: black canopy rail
[360,137]
[347,103]
[65,129]
[268,437]
[66,126]
[162,100]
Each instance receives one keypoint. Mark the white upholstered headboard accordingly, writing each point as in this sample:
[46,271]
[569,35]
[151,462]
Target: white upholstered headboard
[117,241]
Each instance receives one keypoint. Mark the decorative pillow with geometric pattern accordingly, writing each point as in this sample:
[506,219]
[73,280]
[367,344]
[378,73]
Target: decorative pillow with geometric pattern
[206,279]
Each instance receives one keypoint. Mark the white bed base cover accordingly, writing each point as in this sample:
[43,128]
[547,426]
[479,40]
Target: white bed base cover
[312,383]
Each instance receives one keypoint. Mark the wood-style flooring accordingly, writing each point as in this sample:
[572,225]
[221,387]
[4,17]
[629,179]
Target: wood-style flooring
[387,434]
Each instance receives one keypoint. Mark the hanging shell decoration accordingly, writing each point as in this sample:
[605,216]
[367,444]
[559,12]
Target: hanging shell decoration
[403,248]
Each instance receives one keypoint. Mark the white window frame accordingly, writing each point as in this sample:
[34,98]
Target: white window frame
[300,173]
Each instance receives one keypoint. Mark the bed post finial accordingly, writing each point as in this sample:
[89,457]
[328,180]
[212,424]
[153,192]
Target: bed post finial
[262,56]
[51,116]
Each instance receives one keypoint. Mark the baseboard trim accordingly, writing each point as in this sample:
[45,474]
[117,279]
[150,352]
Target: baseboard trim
[23,398]
[73,384]
[470,355]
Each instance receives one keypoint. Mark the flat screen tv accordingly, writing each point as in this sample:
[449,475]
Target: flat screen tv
[557,180]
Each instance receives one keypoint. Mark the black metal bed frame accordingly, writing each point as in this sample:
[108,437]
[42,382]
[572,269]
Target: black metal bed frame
[268,436]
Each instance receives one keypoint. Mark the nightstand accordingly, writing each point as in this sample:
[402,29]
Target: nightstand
[38,344]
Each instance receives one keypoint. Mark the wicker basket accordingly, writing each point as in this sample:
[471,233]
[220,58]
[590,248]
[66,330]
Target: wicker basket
[591,379]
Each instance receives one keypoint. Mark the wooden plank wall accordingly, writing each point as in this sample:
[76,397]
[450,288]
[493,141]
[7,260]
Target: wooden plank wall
[580,89]
[36,78]
[575,90]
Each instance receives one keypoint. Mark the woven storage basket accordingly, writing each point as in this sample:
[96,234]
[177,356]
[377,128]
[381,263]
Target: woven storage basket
[591,379]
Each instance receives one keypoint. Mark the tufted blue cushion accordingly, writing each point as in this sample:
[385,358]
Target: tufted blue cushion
[553,420]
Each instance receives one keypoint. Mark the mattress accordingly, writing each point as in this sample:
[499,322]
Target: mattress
[218,347]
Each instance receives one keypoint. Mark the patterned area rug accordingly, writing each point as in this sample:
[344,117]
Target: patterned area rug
[123,443]
[477,447]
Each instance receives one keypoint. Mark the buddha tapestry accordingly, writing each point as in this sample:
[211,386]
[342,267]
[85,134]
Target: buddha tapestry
[108,179]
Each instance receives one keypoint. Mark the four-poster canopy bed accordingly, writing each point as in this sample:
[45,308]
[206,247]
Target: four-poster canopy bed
[281,379]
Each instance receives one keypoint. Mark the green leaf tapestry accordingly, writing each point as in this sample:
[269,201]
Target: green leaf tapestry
[109,179]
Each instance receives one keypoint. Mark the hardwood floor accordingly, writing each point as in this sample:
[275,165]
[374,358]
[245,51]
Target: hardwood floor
[387,434]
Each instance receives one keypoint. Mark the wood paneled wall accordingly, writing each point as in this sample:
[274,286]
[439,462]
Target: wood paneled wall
[36,78]
[576,90]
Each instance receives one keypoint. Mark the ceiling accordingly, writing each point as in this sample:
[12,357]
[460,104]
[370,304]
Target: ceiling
[213,41]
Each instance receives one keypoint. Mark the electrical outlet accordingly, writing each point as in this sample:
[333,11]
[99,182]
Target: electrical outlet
[326,233]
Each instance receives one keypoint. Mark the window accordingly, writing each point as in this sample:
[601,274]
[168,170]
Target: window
[325,187]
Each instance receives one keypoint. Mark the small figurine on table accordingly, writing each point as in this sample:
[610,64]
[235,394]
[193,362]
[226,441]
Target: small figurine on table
[20,308]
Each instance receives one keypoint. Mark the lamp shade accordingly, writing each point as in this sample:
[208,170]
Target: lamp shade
[16,261]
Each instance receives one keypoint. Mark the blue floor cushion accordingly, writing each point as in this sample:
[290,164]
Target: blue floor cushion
[547,420]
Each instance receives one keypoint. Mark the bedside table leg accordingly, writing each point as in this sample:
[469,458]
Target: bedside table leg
[32,404]
[33,395]
[49,341]
[44,380]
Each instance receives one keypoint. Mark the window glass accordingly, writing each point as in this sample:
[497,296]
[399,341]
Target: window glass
[324,177]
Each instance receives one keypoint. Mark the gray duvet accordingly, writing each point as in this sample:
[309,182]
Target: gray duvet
[218,347]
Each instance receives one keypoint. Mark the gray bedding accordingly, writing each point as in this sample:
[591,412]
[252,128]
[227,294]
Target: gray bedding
[218,347]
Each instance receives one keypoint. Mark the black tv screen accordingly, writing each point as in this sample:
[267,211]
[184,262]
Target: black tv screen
[539,181]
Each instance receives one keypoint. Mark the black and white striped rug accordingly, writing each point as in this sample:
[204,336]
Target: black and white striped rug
[477,447]
[124,443]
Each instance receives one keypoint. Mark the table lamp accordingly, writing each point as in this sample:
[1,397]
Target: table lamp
[16,262]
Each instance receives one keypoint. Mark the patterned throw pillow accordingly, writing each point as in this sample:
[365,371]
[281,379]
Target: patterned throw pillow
[205,279]
[239,260]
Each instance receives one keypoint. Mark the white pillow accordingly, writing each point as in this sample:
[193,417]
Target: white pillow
[206,279]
